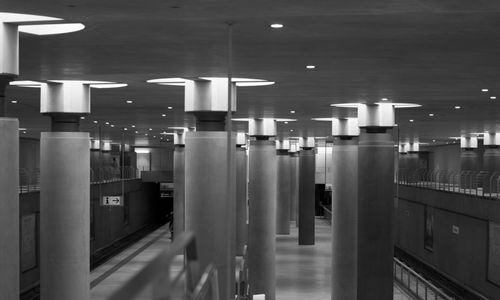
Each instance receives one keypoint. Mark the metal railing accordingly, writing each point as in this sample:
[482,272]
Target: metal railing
[242,284]
[29,180]
[414,283]
[478,183]
[154,282]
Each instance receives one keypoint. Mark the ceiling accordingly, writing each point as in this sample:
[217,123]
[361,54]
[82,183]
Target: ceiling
[437,53]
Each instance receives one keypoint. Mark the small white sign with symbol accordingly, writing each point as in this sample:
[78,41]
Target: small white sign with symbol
[111,200]
[455,229]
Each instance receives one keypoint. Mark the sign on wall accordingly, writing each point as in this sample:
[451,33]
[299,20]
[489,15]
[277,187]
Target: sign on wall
[112,201]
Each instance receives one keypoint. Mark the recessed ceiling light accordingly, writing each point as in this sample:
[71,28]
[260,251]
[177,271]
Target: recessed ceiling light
[150,129]
[411,120]
[133,126]
[125,129]
[146,134]
[13,101]
[292,111]
[431,115]
[433,140]
[457,107]
[107,123]
[83,118]
[163,115]
[484,90]
[291,130]
[310,67]
[95,122]
[130,101]
[276,25]
[170,107]
[24,132]
[493,97]
[384,99]
[137,132]
[286,122]
[112,125]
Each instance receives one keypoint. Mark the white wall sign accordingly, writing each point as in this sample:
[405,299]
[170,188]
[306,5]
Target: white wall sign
[111,200]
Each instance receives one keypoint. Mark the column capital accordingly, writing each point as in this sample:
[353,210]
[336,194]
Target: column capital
[67,97]
[376,115]
[491,139]
[345,127]
[179,138]
[468,142]
[208,95]
[262,127]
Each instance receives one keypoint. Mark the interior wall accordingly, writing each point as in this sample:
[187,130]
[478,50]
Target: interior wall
[29,154]
[460,254]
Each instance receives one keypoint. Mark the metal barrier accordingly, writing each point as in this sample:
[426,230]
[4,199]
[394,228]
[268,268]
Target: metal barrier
[477,183]
[154,279]
[416,284]
[242,284]
[29,180]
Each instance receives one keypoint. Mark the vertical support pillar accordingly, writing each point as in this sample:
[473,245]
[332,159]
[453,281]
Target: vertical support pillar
[284,187]
[306,211]
[9,201]
[65,194]
[375,202]
[209,209]
[262,208]
[241,194]
[179,178]
[344,208]
[294,184]
[469,161]
[491,162]
[9,168]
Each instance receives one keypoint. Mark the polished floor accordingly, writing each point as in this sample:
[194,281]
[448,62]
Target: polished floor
[303,272]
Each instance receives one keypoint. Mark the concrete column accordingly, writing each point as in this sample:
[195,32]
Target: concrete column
[65,194]
[208,211]
[294,183]
[179,146]
[284,187]
[491,161]
[209,179]
[9,204]
[375,203]
[241,194]
[306,209]
[262,189]
[64,215]
[469,161]
[344,208]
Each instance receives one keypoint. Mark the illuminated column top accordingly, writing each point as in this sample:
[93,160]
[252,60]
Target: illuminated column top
[345,127]
[208,95]
[179,138]
[307,142]
[283,144]
[491,139]
[241,139]
[468,142]
[262,127]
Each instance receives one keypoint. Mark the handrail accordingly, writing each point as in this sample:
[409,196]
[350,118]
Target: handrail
[482,183]
[418,283]
[208,281]
[157,272]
